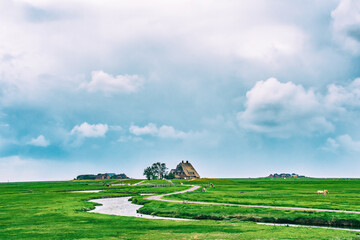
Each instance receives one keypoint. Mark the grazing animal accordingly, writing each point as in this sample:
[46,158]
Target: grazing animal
[325,192]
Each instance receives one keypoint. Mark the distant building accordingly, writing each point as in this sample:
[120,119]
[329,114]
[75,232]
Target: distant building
[185,170]
[102,176]
[121,176]
[285,175]
[111,174]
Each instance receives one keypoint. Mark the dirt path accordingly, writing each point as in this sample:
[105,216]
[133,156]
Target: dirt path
[195,187]
[138,183]
[159,197]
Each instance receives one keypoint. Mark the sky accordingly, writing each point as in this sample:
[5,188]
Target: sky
[238,88]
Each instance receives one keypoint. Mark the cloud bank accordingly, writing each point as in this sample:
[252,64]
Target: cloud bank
[286,109]
[67,64]
[283,110]
[342,143]
[163,132]
[346,25]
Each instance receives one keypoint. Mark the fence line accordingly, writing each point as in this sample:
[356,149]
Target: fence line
[162,185]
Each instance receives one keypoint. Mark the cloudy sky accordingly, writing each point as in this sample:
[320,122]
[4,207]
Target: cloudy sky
[238,88]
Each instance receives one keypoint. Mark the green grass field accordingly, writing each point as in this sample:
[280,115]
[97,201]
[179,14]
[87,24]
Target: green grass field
[301,192]
[46,210]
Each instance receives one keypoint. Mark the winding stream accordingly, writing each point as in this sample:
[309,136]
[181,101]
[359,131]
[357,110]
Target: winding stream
[86,191]
[121,206]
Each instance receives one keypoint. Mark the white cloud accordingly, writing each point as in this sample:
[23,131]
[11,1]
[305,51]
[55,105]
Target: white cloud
[286,109]
[343,142]
[331,145]
[344,98]
[170,132]
[163,132]
[261,42]
[112,35]
[150,129]
[40,141]
[104,82]
[346,25]
[283,110]
[90,130]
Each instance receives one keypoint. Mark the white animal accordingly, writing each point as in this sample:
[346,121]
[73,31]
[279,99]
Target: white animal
[322,192]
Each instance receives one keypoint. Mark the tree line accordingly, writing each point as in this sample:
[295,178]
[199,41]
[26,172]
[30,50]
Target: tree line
[157,171]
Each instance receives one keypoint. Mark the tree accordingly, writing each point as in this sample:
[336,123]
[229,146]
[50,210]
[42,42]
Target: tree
[157,170]
[162,171]
[170,176]
[148,173]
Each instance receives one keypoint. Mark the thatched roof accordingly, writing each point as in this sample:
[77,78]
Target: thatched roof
[185,170]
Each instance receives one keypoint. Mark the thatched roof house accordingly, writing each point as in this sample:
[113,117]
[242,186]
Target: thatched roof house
[185,170]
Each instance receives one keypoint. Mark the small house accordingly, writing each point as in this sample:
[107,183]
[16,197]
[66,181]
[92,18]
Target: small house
[185,170]
[102,176]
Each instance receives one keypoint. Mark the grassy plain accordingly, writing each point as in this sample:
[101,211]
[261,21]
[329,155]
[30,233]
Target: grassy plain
[291,192]
[46,210]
